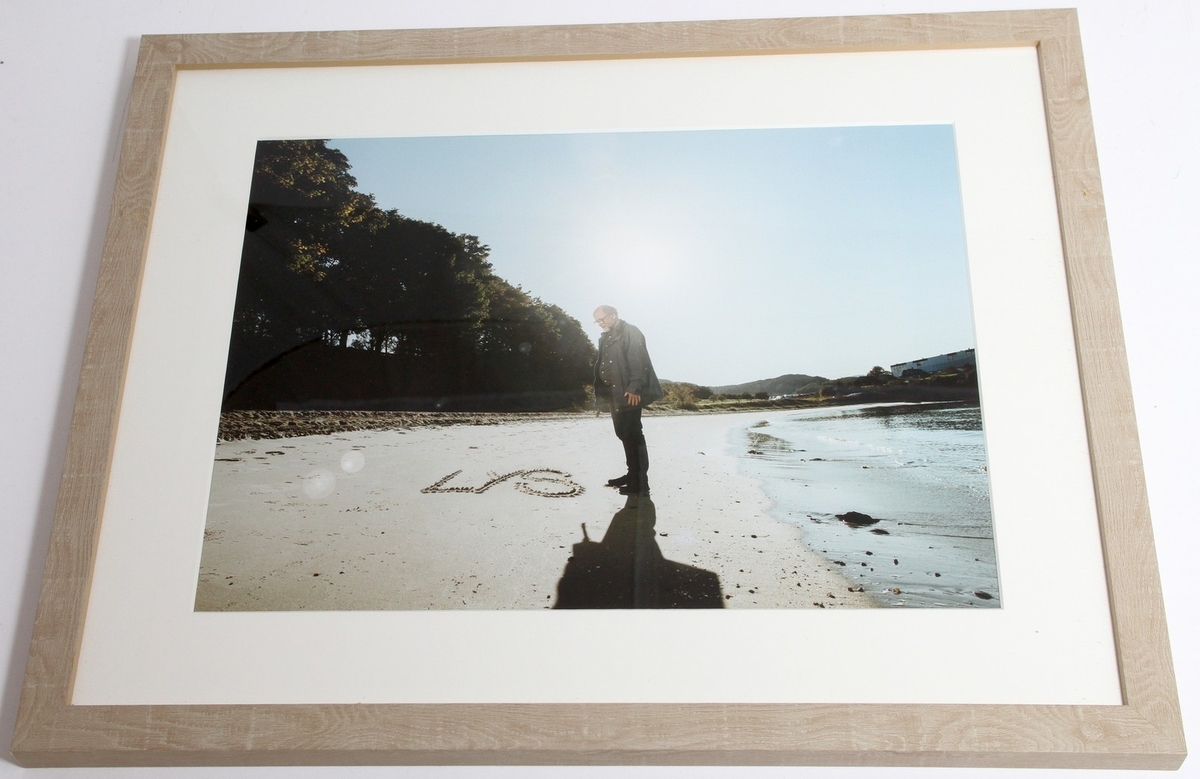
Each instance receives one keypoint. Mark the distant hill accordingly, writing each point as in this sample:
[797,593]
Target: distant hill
[789,384]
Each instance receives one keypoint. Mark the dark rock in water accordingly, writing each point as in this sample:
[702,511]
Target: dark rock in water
[856,519]
[880,531]
[983,595]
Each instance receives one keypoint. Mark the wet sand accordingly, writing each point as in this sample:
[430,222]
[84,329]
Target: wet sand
[495,512]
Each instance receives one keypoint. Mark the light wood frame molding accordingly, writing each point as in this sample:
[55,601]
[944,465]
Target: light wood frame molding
[1144,732]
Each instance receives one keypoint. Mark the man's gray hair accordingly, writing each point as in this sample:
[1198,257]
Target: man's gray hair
[606,309]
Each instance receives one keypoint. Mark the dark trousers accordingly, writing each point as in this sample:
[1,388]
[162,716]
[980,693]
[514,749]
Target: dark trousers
[627,423]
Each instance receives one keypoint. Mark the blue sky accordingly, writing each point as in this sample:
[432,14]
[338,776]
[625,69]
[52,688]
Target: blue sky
[741,254]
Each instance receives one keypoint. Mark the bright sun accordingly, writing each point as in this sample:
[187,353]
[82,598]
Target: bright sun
[654,259]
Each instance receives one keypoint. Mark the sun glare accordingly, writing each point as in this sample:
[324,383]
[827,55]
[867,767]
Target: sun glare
[653,259]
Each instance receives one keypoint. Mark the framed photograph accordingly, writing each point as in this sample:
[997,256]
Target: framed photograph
[338,483]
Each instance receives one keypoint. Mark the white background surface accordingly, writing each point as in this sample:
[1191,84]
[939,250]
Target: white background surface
[65,76]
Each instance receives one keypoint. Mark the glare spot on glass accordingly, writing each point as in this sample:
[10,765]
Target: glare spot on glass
[353,461]
[319,484]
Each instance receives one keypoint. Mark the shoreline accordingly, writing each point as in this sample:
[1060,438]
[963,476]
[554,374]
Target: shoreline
[924,535]
[275,424]
[271,425]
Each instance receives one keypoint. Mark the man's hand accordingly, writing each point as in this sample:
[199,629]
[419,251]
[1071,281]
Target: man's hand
[634,400]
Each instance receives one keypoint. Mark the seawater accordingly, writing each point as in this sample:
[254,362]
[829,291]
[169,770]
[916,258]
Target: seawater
[919,469]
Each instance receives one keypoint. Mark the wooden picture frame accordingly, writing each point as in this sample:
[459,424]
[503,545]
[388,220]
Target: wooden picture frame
[1145,731]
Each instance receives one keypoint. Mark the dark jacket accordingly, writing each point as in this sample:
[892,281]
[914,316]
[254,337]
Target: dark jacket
[630,370]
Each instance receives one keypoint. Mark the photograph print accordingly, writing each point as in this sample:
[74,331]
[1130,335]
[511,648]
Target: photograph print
[671,369]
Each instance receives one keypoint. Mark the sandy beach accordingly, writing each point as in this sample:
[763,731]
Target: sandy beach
[502,513]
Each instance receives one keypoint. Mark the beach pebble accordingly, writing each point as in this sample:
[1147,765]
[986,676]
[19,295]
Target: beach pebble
[857,519]
[895,590]
[983,595]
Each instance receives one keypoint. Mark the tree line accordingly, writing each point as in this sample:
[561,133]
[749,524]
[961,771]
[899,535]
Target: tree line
[342,304]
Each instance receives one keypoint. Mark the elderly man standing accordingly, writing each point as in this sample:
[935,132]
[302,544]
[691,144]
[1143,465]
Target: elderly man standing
[625,382]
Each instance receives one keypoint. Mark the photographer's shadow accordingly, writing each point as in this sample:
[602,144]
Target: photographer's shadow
[626,570]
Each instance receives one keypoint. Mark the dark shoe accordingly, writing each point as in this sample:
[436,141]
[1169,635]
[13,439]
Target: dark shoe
[629,489]
[620,481]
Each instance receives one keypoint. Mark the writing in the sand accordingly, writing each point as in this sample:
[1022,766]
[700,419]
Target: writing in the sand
[543,482]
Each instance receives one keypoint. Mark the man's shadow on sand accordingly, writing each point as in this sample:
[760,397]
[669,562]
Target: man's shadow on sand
[627,570]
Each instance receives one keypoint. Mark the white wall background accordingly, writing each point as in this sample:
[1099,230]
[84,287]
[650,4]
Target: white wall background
[65,73]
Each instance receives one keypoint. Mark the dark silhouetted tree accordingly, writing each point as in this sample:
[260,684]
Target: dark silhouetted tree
[343,304]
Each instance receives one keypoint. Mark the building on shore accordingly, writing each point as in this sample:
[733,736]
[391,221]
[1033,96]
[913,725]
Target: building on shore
[942,362]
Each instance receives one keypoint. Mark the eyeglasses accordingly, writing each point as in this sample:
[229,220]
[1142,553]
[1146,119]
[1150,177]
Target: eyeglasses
[604,319]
